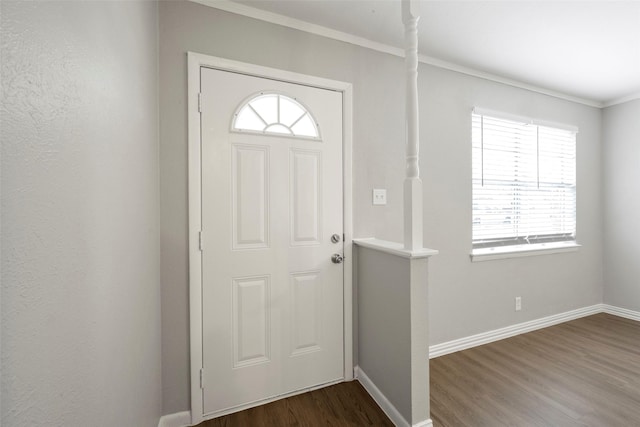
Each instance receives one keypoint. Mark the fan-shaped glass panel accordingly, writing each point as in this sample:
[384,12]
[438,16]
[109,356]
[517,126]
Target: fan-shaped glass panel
[278,128]
[290,111]
[248,119]
[275,114]
[304,127]
[267,107]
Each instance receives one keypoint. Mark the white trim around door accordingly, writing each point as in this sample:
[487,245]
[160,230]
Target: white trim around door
[195,62]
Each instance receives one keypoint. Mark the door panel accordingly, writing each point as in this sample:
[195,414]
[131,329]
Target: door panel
[251,320]
[305,197]
[250,177]
[306,308]
[272,298]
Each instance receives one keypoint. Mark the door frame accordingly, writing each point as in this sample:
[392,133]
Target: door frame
[194,62]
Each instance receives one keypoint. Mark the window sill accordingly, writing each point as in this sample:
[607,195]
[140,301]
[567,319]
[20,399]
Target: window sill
[503,252]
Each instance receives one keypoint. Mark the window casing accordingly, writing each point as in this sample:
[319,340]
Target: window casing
[524,182]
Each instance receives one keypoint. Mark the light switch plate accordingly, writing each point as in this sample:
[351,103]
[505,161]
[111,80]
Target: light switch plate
[379,196]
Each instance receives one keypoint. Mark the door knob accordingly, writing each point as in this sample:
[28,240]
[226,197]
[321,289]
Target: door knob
[337,258]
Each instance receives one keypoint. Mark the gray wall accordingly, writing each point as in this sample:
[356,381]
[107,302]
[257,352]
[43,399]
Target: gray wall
[80,221]
[621,154]
[186,26]
[466,298]
[384,339]
[392,338]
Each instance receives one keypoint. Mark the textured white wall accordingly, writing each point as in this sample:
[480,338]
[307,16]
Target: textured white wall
[80,221]
[465,298]
[621,154]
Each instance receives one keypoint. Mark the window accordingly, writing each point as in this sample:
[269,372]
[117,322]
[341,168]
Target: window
[275,114]
[524,184]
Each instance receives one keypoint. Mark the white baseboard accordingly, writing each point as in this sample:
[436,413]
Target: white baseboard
[179,419]
[382,401]
[622,312]
[510,331]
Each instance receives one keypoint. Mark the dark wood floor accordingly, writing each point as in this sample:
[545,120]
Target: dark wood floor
[344,404]
[580,373]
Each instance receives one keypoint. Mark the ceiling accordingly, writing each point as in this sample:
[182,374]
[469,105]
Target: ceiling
[584,49]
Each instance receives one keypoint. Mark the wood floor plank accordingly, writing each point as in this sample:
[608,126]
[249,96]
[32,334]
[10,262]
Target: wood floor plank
[341,405]
[581,373]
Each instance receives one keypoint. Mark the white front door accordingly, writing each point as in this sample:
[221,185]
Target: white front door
[272,297]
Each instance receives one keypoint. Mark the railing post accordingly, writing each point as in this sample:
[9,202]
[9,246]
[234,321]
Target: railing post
[412,182]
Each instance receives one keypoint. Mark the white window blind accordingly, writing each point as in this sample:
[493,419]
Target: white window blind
[524,182]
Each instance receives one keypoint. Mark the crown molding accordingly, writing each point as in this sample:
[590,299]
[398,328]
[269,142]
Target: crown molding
[621,100]
[507,81]
[298,24]
[275,18]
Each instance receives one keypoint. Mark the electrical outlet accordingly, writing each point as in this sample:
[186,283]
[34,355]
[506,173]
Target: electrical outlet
[379,196]
[518,303]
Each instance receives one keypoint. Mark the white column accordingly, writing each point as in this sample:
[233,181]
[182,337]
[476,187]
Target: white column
[412,182]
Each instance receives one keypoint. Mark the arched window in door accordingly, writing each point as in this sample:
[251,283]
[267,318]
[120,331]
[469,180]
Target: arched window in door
[275,114]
